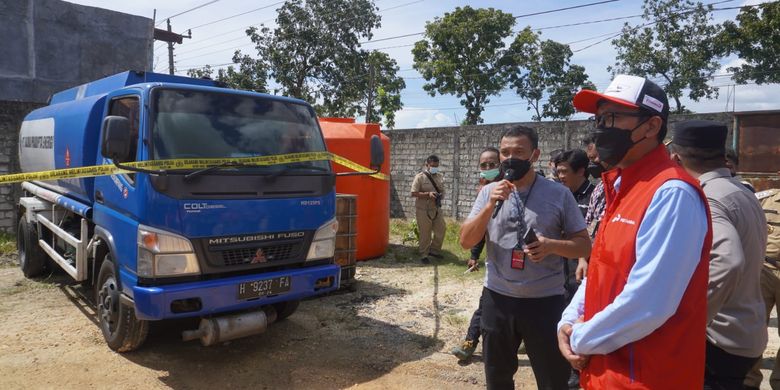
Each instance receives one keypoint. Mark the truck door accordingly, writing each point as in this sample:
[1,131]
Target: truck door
[116,199]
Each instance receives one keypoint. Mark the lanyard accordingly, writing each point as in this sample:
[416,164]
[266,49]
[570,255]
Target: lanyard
[521,211]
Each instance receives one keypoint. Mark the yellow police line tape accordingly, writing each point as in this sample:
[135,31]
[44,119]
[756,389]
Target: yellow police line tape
[187,163]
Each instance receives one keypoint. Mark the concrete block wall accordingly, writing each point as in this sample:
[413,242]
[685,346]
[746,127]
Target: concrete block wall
[458,149]
[52,45]
[49,46]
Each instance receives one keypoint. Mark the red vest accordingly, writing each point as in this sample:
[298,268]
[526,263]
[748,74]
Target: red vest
[672,357]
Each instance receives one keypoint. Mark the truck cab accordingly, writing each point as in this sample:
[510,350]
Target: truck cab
[170,237]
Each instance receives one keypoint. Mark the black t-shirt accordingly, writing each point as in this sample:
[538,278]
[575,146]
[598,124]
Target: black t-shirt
[582,196]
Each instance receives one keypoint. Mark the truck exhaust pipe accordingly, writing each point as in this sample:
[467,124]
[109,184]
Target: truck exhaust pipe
[220,329]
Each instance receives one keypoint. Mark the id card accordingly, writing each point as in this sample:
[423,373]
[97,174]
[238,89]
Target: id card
[518,258]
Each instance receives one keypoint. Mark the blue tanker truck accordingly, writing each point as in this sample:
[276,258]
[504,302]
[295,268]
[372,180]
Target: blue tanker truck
[236,244]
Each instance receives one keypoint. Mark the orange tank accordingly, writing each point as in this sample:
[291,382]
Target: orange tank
[352,140]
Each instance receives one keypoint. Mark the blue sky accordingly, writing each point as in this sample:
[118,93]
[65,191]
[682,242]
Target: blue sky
[214,44]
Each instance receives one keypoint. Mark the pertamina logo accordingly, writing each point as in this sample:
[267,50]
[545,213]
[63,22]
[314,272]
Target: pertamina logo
[619,218]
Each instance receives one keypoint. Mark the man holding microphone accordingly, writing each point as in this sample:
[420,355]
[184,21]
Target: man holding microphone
[531,223]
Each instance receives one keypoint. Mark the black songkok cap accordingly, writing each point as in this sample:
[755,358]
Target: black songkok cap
[700,134]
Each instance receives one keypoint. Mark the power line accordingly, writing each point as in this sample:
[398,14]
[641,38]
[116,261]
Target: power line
[511,53]
[184,12]
[616,34]
[258,24]
[215,44]
[327,13]
[243,37]
[565,9]
[391,38]
[587,22]
[462,107]
[516,17]
[236,15]
[611,34]
[217,51]
[195,67]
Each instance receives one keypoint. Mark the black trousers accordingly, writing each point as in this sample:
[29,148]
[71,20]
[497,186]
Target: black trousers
[505,322]
[476,251]
[724,371]
[474,329]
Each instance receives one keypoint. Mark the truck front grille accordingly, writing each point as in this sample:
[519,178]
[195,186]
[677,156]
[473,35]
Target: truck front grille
[259,255]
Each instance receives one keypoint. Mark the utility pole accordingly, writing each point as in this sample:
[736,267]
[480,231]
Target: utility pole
[170,37]
[170,51]
[371,89]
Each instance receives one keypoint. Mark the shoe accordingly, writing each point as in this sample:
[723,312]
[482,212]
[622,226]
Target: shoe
[436,255]
[425,260]
[521,350]
[574,380]
[465,349]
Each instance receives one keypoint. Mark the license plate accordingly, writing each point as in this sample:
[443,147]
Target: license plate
[261,288]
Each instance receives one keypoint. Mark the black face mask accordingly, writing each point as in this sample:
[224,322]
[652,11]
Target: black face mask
[613,143]
[514,168]
[595,170]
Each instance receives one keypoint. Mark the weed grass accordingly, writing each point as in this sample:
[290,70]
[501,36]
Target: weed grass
[452,265]
[7,244]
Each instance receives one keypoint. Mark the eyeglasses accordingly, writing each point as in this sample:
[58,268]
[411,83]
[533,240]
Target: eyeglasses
[607,119]
[488,165]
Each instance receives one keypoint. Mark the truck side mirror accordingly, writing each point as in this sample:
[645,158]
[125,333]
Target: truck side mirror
[377,152]
[116,138]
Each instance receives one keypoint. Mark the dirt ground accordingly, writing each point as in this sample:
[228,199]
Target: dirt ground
[394,332]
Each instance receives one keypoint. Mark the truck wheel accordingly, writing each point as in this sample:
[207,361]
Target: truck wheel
[32,259]
[285,309]
[122,331]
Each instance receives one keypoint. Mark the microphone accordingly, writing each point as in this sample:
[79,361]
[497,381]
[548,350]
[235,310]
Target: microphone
[508,175]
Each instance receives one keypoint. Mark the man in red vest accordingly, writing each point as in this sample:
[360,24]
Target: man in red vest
[639,319]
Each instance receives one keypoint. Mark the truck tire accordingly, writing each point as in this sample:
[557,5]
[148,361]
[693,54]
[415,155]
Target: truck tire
[122,331]
[285,309]
[32,260]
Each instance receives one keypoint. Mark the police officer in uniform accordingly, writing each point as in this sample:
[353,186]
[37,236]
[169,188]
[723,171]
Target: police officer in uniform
[770,278]
[428,191]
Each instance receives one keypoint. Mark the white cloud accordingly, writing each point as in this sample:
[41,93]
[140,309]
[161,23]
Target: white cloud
[214,44]
[411,118]
[748,98]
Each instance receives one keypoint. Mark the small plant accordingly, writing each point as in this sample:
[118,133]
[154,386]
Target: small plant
[7,244]
[413,234]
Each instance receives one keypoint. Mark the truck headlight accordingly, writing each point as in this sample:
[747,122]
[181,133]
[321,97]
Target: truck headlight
[162,254]
[324,243]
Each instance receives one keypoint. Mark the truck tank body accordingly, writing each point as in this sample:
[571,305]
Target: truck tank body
[60,136]
[65,134]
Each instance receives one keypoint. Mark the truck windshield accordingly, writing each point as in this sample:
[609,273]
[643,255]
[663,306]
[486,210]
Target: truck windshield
[196,124]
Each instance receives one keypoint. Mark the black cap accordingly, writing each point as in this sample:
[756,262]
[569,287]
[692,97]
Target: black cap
[700,134]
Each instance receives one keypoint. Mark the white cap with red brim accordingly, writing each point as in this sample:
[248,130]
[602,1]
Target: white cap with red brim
[629,91]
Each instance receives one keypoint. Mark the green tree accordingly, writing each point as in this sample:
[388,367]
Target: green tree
[382,95]
[756,40]
[463,54]
[544,69]
[370,86]
[313,44]
[251,74]
[676,44]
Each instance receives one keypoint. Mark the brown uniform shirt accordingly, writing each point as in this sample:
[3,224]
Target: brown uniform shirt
[421,183]
[770,202]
